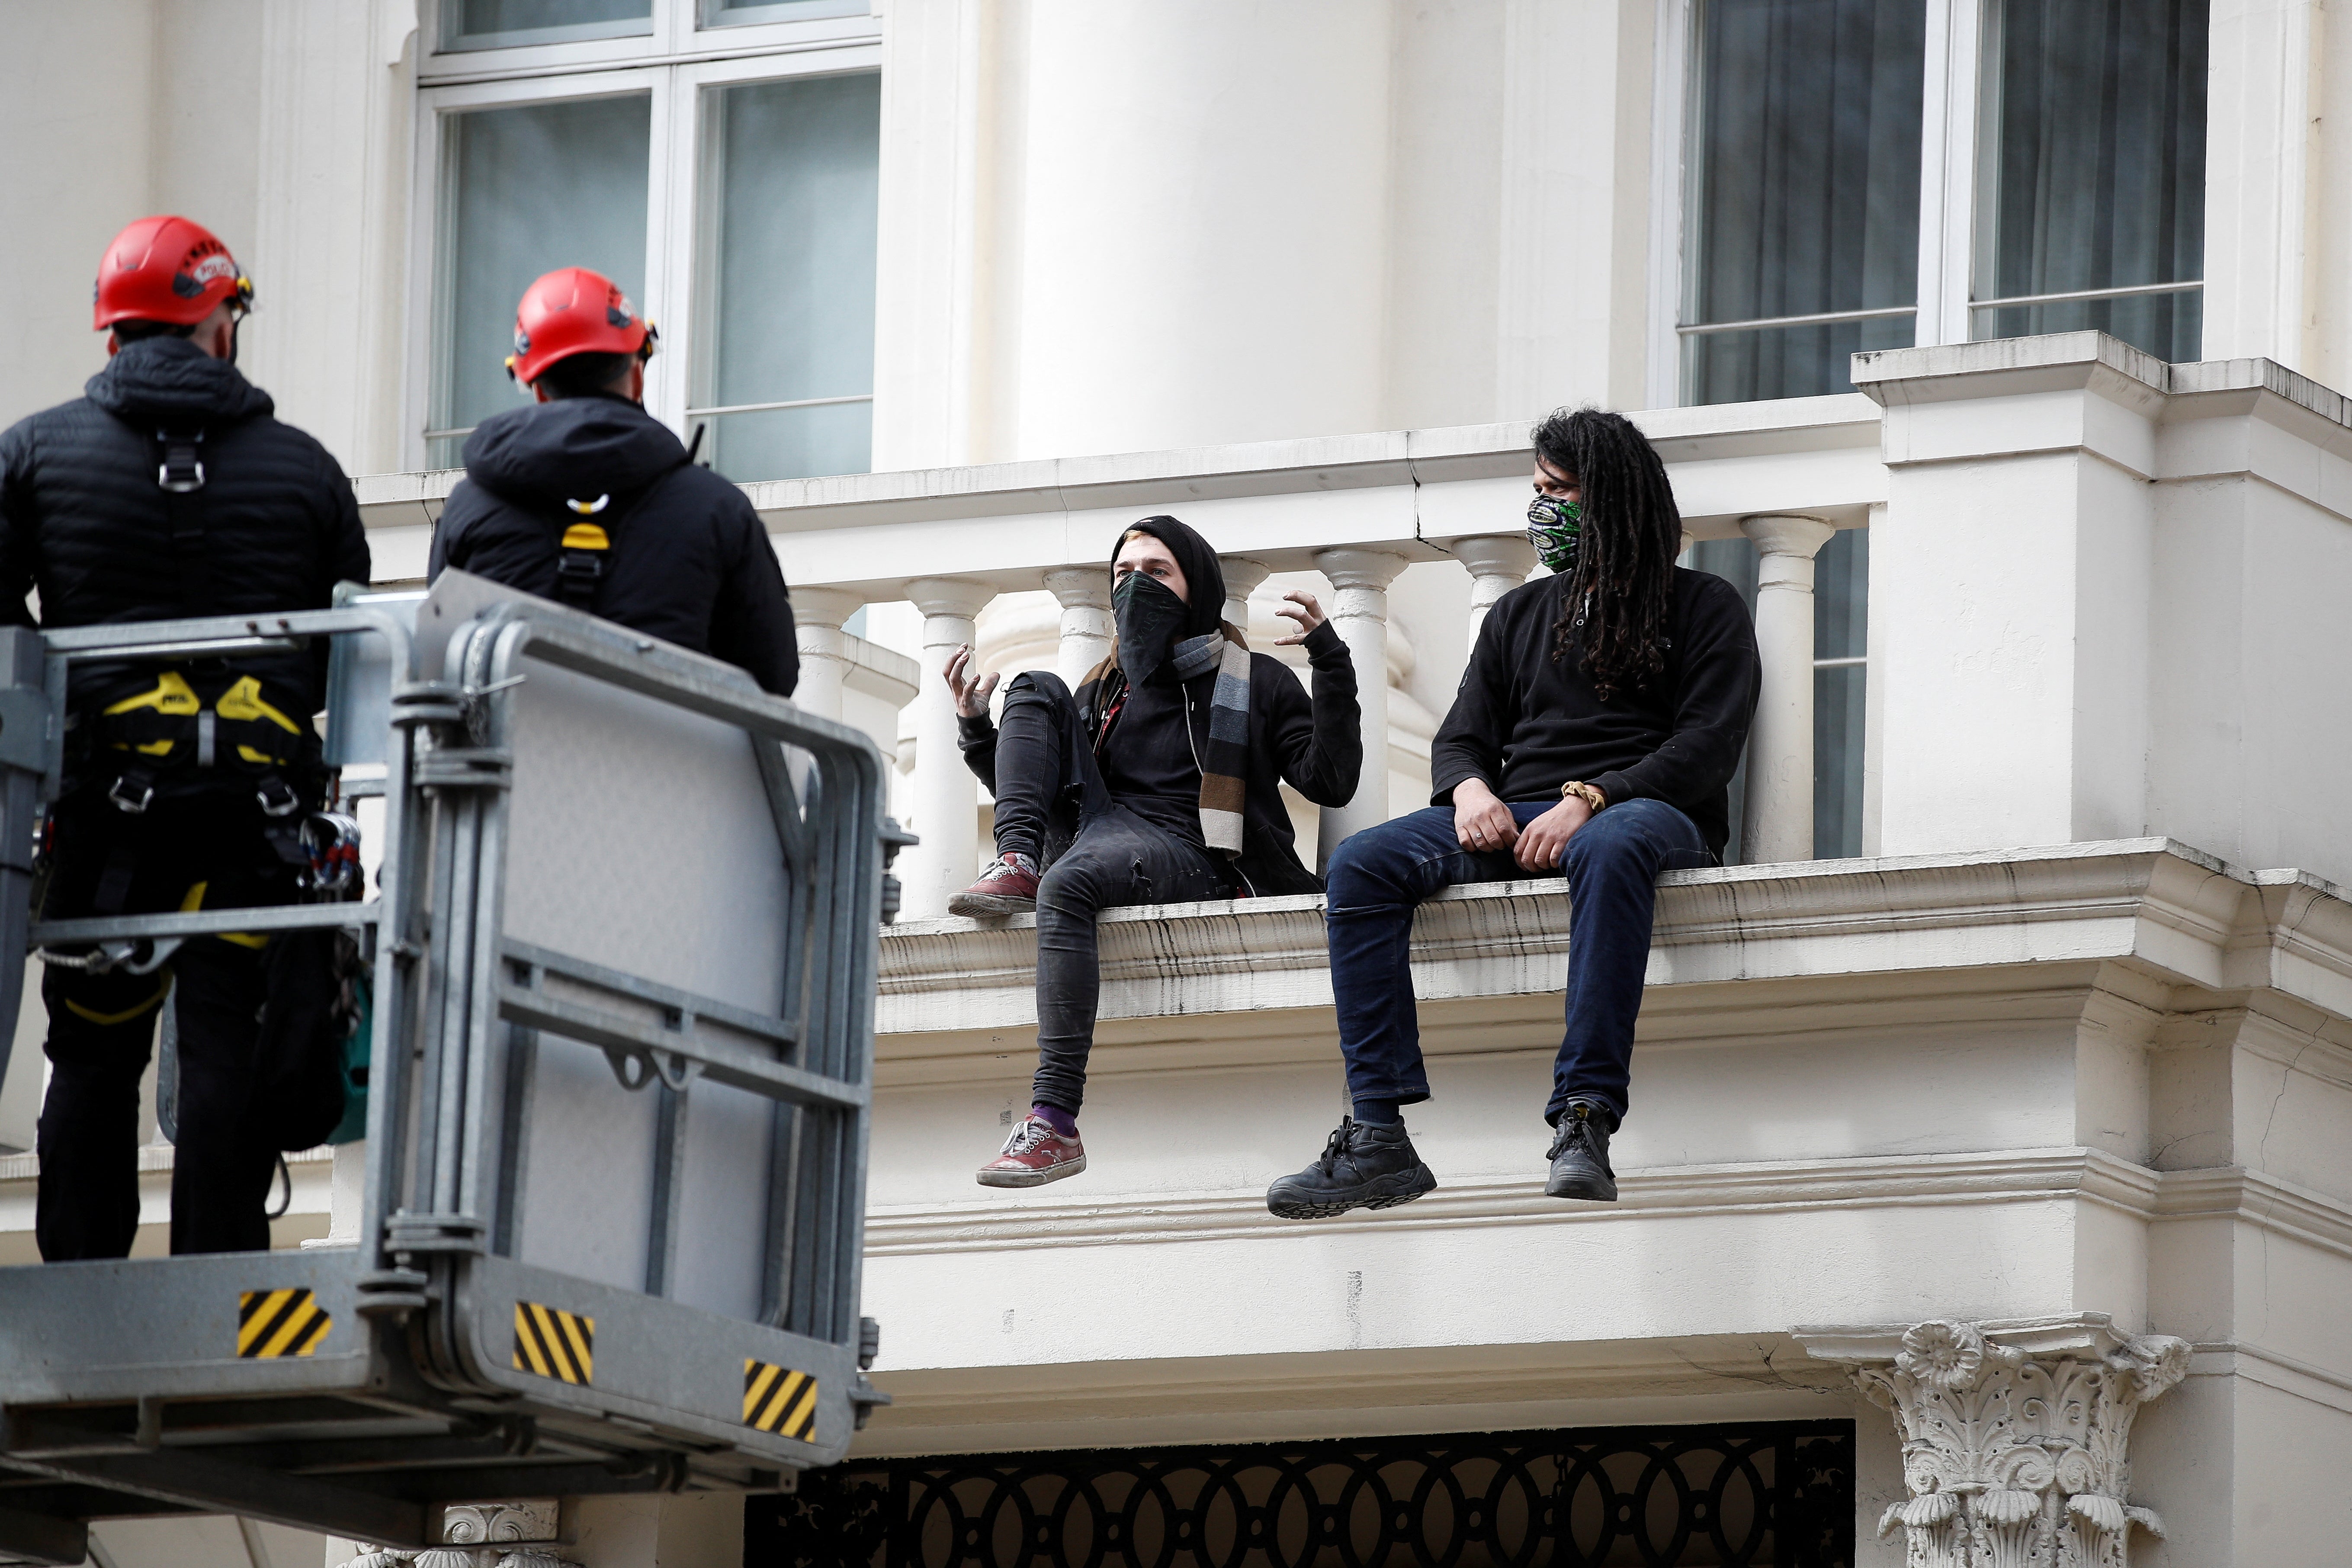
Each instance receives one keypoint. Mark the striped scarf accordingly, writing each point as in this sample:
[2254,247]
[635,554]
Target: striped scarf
[1225,765]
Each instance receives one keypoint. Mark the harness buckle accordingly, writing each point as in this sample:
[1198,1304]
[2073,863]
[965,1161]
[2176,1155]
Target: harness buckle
[181,471]
[120,794]
[277,797]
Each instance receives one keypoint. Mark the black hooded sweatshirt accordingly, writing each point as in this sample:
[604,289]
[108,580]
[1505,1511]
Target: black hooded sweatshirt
[1150,763]
[689,562]
[83,520]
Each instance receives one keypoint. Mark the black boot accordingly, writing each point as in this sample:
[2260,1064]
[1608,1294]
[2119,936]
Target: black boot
[1579,1154]
[1362,1167]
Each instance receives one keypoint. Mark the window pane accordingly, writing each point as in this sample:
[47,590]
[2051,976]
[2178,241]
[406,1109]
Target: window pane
[793,443]
[719,13]
[2169,326]
[2093,172]
[497,24]
[1840,630]
[1837,760]
[1783,361]
[789,249]
[524,191]
[1806,194]
[1842,596]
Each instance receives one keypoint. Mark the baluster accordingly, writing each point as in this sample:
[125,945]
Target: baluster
[947,798]
[1359,612]
[1497,563]
[1083,593]
[1242,577]
[817,618]
[1778,822]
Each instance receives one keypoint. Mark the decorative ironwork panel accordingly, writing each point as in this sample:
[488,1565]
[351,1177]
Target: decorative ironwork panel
[1769,1495]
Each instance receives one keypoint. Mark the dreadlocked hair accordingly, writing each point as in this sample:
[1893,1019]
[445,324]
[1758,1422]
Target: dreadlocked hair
[1621,585]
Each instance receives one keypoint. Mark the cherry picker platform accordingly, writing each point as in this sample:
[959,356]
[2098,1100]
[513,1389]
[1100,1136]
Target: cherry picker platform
[623,942]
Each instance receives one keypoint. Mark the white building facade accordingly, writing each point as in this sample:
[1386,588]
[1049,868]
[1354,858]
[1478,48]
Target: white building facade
[1986,1191]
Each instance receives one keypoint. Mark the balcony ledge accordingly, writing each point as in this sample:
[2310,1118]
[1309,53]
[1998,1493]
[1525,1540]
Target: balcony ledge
[2151,924]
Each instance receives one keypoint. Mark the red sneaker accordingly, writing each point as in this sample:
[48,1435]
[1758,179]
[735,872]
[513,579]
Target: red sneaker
[1008,887]
[1033,1156]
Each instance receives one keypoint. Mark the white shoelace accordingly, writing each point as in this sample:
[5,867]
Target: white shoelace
[1028,1136]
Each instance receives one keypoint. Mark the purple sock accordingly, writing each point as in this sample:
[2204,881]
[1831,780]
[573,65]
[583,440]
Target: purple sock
[1055,1117]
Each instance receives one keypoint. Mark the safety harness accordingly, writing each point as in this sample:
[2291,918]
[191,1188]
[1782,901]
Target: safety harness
[203,715]
[585,545]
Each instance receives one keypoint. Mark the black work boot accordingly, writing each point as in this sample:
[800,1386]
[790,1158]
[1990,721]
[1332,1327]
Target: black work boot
[1362,1167]
[1579,1154]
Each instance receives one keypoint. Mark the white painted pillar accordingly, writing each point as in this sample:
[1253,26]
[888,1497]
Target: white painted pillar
[947,798]
[1359,611]
[1242,577]
[1083,593]
[817,616]
[1498,563]
[1137,122]
[1778,824]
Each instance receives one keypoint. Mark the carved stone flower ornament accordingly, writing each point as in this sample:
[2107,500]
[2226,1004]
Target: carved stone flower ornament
[1942,1354]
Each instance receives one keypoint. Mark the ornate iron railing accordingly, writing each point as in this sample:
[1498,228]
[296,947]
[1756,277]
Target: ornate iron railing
[1772,1495]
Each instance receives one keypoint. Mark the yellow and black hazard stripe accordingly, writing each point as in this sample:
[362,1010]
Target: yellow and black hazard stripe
[553,1342]
[273,1323]
[776,1399]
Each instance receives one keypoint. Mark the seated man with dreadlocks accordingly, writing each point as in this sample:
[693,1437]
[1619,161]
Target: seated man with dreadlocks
[1594,737]
[1158,783]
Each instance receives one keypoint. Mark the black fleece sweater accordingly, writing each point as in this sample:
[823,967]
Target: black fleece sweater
[1527,722]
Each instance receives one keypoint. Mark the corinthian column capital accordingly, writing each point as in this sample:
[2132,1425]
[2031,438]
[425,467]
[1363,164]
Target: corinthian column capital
[2016,1439]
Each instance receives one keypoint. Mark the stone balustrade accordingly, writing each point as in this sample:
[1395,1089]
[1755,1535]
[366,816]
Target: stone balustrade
[1349,517]
[2018,694]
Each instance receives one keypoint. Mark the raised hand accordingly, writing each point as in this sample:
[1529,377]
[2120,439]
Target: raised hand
[972,688]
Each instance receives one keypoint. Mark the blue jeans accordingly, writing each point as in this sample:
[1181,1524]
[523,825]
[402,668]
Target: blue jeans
[1377,877]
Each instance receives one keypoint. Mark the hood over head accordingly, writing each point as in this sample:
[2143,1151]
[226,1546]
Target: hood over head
[169,378]
[1205,579]
[572,448]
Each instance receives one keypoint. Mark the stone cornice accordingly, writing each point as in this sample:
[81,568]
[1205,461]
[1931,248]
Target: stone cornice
[1913,1181]
[2163,926]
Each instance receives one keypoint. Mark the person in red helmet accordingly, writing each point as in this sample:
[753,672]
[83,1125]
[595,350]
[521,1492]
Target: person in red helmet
[168,489]
[586,498]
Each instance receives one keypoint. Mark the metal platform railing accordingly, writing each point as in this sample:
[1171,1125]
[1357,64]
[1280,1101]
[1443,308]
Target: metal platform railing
[624,948]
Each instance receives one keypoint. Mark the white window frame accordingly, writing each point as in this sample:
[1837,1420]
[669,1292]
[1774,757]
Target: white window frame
[672,67]
[1955,83]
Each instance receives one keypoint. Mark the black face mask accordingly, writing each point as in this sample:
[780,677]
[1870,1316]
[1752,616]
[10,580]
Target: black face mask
[1150,618]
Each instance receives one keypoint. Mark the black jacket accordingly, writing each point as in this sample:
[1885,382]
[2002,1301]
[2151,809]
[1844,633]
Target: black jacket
[1527,722]
[1316,745]
[83,520]
[690,563]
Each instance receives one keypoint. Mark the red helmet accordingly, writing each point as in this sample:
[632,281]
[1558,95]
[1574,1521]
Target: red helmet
[167,269]
[572,311]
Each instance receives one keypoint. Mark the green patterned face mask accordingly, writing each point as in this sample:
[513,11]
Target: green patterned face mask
[1553,526]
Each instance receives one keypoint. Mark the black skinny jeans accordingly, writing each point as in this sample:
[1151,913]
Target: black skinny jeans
[195,850]
[1050,796]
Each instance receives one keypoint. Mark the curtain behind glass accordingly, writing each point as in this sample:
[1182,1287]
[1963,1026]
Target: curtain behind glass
[1840,630]
[793,209]
[732,13]
[498,24]
[2093,174]
[525,191]
[1806,193]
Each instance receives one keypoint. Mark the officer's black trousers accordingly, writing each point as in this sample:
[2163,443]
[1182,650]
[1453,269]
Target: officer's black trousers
[201,846]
